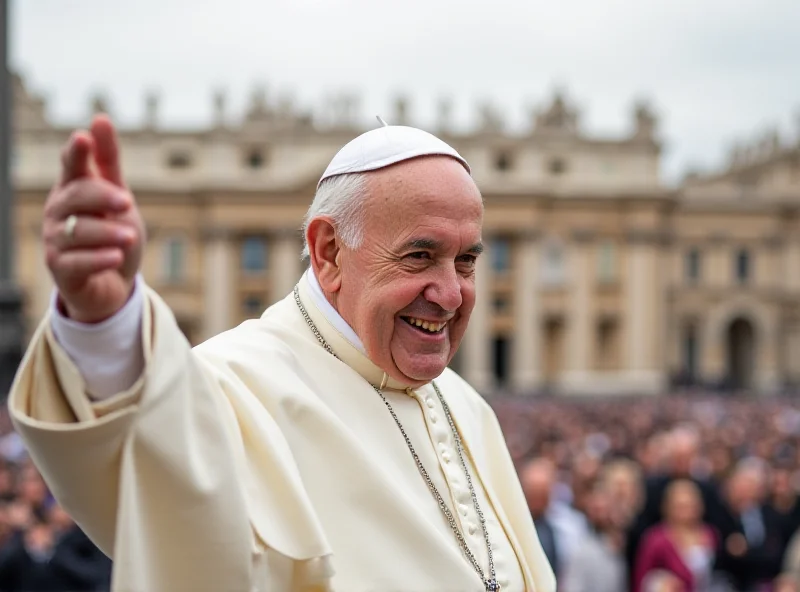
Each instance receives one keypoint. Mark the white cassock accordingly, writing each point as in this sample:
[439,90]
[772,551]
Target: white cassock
[258,461]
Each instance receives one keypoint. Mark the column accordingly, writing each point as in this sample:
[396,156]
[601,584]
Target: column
[712,353]
[285,262]
[792,353]
[791,265]
[718,271]
[643,322]
[766,365]
[580,335]
[477,340]
[527,354]
[218,277]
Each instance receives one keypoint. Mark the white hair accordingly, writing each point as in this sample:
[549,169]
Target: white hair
[341,198]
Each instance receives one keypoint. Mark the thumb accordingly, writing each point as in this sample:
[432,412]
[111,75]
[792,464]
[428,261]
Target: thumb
[106,150]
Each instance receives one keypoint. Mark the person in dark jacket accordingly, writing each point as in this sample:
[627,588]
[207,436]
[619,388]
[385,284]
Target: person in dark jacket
[752,540]
[25,560]
[52,554]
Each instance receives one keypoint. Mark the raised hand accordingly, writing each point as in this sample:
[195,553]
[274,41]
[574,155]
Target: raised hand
[92,230]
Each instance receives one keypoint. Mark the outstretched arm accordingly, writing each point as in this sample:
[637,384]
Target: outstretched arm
[151,465]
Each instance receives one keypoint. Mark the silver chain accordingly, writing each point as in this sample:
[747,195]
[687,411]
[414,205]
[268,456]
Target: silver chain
[490,584]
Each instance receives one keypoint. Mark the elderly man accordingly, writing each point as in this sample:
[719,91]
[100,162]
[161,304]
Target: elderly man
[324,446]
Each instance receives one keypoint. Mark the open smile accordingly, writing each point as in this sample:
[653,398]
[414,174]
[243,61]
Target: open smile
[430,327]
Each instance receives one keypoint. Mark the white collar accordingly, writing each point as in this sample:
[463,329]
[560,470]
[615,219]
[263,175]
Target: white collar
[333,316]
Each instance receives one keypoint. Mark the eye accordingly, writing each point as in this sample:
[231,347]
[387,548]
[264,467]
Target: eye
[419,255]
[468,259]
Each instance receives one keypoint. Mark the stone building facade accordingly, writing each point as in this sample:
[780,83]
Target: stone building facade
[598,279]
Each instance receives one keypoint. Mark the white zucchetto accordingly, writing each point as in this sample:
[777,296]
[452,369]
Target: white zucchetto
[385,146]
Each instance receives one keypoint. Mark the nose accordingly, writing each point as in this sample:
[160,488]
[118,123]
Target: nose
[445,289]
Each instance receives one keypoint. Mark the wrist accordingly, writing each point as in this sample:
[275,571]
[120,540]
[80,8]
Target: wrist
[95,316]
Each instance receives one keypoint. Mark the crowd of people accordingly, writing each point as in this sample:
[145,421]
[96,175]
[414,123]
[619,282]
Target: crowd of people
[41,548]
[669,494]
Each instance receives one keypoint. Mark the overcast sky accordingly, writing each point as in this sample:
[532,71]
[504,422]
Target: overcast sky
[715,70]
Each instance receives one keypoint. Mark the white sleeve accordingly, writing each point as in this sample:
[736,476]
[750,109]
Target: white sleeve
[109,355]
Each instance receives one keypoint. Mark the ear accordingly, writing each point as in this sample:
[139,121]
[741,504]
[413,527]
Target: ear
[325,252]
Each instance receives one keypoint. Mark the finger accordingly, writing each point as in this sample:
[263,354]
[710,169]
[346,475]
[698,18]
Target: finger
[91,232]
[72,268]
[75,158]
[106,150]
[89,197]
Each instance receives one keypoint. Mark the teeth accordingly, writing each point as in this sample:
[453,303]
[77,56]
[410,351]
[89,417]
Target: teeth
[427,325]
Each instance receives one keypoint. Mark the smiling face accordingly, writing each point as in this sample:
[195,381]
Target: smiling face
[408,290]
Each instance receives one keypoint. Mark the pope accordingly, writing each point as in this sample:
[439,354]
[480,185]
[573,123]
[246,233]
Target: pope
[325,445]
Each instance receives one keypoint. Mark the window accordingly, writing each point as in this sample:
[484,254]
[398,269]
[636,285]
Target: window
[179,159]
[500,356]
[253,306]
[742,266]
[557,166]
[606,263]
[503,161]
[606,344]
[174,254]
[553,264]
[690,353]
[693,265]
[255,158]
[501,305]
[501,255]
[254,255]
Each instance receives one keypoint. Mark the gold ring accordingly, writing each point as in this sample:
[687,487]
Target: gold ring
[69,226]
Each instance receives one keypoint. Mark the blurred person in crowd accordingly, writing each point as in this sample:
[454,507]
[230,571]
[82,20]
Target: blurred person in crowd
[7,483]
[789,579]
[683,449]
[76,562]
[752,543]
[652,455]
[25,560]
[32,489]
[783,507]
[623,480]
[538,481]
[45,551]
[597,565]
[682,544]
[720,462]
[12,448]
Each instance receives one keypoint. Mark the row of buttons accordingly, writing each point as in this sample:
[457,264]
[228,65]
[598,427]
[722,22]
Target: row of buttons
[454,477]
[452,470]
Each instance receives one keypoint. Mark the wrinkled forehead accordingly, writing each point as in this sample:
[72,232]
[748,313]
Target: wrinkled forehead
[430,185]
